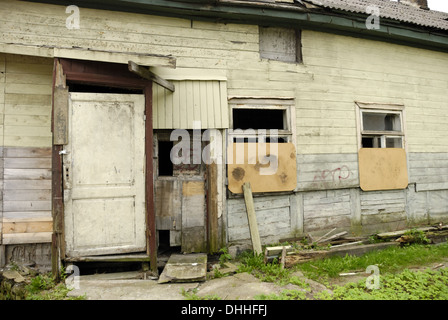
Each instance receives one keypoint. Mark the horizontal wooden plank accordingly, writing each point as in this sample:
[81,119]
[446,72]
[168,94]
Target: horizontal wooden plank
[27,184]
[326,223]
[27,227]
[264,217]
[20,152]
[27,163]
[27,174]
[19,238]
[26,195]
[262,203]
[27,120]
[26,205]
[29,216]
[27,141]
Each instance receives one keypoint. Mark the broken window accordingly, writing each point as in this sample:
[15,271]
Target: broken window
[261,120]
[191,163]
[281,44]
[381,128]
[164,162]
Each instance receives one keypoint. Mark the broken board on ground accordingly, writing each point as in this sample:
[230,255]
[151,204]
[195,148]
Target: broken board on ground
[185,268]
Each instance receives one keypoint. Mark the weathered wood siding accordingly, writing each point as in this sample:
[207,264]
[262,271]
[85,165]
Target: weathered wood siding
[429,171]
[327,171]
[27,99]
[383,210]
[326,210]
[337,71]
[25,174]
[273,218]
[204,101]
[323,85]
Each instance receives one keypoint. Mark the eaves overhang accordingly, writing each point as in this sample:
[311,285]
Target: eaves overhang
[268,14]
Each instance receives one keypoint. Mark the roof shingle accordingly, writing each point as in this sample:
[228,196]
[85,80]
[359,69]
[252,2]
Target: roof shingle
[390,10]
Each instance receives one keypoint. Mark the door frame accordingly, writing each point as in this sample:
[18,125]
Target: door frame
[99,74]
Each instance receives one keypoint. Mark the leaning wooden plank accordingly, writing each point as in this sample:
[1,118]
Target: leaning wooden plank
[333,237]
[146,74]
[252,218]
[328,233]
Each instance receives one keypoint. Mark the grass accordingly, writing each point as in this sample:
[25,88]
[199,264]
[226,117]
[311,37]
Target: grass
[406,285]
[269,272]
[44,287]
[389,260]
[397,282]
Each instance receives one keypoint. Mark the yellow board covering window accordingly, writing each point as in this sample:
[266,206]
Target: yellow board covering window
[268,167]
[382,169]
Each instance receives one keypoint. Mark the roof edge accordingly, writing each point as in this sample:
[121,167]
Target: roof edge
[247,13]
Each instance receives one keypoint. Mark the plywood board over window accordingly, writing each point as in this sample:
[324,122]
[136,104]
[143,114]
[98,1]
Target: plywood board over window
[278,173]
[382,142]
[382,169]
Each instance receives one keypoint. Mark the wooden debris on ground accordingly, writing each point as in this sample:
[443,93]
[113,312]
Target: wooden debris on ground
[435,234]
[342,244]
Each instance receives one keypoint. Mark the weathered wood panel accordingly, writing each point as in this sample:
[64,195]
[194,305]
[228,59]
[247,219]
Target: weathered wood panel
[193,216]
[383,210]
[429,171]
[27,101]
[26,195]
[273,218]
[327,171]
[438,206]
[324,210]
[168,204]
[204,101]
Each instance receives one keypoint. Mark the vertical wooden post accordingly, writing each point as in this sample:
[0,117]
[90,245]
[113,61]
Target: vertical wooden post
[212,207]
[151,243]
[252,218]
[57,201]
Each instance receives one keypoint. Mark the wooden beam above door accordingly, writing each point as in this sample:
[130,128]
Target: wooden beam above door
[146,74]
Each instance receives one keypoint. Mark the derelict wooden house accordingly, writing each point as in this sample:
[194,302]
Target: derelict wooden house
[91,93]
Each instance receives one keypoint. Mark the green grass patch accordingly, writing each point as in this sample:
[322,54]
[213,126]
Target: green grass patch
[44,287]
[269,272]
[392,259]
[407,285]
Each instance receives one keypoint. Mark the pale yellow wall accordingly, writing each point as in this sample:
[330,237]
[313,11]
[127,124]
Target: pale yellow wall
[347,69]
[27,101]
[337,71]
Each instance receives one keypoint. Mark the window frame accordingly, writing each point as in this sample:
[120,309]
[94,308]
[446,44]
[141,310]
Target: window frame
[286,104]
[397,109]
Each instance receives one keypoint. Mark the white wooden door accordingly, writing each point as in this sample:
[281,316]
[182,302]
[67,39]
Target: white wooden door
[104,178]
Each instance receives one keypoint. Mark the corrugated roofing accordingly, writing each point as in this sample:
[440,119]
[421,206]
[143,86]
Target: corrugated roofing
[389,10]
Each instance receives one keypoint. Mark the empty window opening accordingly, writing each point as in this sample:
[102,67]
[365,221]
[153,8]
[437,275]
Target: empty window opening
[164,160]
[258,119]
